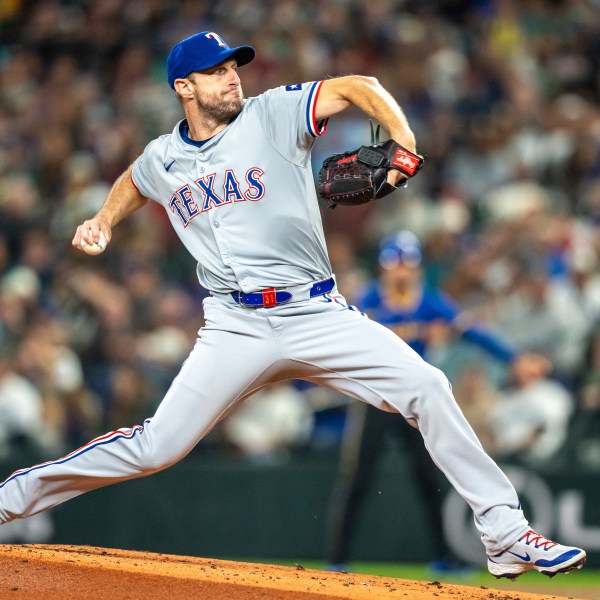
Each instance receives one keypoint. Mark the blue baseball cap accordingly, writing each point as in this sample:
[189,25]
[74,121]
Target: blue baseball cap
[402,248]
[202,51]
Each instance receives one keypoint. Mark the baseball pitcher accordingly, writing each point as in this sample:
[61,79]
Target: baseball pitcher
[236,181]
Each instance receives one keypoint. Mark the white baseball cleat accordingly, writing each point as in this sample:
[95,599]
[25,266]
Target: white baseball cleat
[534,551]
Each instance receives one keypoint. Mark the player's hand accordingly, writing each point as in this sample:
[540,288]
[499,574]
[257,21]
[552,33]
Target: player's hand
[395,178]
[528,368]
[92,236]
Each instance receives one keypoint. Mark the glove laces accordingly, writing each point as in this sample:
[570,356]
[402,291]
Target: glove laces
[374,133]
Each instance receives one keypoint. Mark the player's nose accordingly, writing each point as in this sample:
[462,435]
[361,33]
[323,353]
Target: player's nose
[234,78]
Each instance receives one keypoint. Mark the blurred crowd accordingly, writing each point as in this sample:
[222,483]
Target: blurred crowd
[503,96]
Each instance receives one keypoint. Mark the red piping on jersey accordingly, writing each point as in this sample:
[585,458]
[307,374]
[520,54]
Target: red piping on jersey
[133,182]
[318,130]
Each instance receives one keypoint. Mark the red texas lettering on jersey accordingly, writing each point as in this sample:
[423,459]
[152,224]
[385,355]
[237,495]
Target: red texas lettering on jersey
[183,204]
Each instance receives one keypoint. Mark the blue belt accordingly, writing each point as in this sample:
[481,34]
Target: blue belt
[272,297]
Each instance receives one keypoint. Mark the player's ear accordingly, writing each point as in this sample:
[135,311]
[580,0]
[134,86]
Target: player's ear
[184,87]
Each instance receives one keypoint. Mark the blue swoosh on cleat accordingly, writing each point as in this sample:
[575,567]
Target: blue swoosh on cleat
[558,560]
[526,557]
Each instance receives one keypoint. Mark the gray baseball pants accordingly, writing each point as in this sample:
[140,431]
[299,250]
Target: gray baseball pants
[240,350]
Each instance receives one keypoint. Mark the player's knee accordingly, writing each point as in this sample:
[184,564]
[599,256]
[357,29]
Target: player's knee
[434,383]
[156,459]
[149,464]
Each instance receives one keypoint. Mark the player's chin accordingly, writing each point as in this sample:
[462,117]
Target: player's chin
[233,107]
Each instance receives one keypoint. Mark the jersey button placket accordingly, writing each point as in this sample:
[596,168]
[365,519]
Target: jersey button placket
[215,223]
[201,163]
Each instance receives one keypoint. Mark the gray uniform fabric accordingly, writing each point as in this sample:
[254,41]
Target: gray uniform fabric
[244,204]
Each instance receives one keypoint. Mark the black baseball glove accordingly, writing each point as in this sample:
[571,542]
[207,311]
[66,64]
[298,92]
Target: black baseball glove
[359,176]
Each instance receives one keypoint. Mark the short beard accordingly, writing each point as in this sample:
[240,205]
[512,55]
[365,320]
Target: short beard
[220,111]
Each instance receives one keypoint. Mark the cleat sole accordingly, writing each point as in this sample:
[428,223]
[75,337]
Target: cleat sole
[510,576]
[578,564]
[566,570]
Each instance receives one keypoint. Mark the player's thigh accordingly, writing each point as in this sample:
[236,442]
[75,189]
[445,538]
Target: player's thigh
[366,360]
[232,357]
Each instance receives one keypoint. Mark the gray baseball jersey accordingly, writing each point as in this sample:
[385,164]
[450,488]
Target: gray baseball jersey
[244,203]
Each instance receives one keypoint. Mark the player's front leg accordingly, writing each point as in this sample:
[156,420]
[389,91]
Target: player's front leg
[369,362]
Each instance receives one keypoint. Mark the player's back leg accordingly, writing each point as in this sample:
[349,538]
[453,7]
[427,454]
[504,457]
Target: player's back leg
[227,364]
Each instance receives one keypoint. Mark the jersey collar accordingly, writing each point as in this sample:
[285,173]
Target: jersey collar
[184,133]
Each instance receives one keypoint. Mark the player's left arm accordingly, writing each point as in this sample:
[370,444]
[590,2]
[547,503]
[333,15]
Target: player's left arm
[367,94]
[528,366]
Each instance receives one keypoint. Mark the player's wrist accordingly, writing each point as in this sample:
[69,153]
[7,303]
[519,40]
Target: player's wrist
[406,139]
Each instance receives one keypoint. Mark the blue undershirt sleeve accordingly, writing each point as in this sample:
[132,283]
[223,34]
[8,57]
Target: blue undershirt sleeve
[489,342]
[474,333]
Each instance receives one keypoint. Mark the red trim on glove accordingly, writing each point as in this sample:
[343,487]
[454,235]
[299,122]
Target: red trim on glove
[406,161]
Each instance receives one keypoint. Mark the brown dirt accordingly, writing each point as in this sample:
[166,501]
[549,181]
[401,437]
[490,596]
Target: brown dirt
[82,573]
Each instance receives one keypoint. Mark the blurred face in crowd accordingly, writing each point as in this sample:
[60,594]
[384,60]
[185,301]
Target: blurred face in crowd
[400,274]
[218,91]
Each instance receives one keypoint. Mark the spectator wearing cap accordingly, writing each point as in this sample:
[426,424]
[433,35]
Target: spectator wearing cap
[422,317]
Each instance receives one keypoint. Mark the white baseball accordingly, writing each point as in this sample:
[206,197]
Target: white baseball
[95,247]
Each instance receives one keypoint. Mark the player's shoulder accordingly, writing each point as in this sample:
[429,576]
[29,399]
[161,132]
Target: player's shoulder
[431,294]
[287,91]
[439,301]
[295,88]
[164,144]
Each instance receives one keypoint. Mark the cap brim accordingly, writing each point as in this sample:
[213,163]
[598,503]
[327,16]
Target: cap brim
[243,55]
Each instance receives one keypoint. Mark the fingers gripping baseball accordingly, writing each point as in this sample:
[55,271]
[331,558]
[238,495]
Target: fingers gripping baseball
[92,237]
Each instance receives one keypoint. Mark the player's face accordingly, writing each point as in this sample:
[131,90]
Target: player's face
[218,91]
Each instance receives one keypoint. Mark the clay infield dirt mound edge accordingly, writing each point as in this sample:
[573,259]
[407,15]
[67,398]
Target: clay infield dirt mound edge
[44,572]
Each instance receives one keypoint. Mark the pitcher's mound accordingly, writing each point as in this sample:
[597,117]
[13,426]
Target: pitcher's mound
[82,572]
